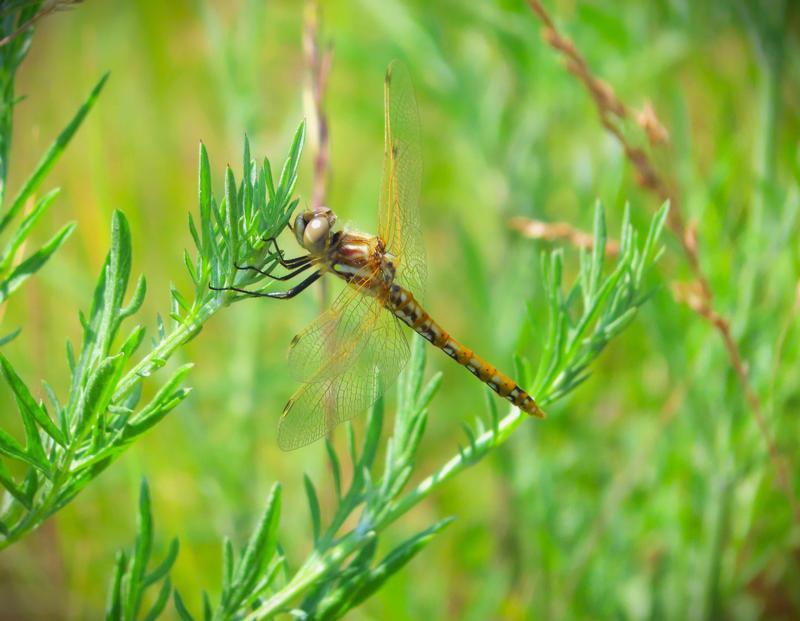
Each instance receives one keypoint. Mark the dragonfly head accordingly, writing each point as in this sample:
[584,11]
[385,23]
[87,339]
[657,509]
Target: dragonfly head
[313,228]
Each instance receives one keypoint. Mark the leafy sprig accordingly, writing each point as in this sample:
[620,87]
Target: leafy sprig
[581,322]
[16,27]
[131,575]
[343,569]
[102,415]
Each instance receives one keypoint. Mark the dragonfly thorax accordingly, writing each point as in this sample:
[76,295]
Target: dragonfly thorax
[361,260]
[388,266]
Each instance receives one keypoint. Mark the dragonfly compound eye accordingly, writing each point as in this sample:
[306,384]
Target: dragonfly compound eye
[316,234]
[299,228]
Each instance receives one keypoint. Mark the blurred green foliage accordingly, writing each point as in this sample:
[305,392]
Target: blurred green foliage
[16,34]
[647,494]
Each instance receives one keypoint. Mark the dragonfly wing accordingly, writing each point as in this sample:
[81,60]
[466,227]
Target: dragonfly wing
[325,347]
[398,221]
[374,359]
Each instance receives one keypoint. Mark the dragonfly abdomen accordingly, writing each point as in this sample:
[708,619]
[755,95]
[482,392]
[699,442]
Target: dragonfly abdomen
[405,307]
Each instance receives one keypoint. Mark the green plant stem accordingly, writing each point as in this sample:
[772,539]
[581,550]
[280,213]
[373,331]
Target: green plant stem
[770,101]
[11,56]
[317,565]
[34,518]
[770,46]
[455,465]
[151,362]
[314,569]
[54,480]
[485,442]
[187,329]
[51,156]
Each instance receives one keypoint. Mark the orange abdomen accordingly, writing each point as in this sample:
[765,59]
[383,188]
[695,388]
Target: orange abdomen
[402,304]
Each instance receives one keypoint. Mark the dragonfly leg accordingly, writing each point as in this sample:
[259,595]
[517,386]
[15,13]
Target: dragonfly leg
[287,263]
[278,295]
[303,267]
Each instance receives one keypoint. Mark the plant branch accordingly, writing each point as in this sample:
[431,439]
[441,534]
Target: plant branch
[612,112]
[559,232]
[13,271]
[47,7]
[102,415]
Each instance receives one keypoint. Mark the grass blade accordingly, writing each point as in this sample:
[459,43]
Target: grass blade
[33,263]
[51,155]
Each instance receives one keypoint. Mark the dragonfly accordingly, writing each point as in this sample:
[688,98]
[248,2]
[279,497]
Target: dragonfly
[358,346]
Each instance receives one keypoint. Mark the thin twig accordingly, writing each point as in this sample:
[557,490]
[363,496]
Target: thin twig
[698,296]
[318,62]
[559,231]
[47,8]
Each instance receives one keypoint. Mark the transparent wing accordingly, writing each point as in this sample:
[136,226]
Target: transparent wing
[326,346]
[370,361]
[398,219]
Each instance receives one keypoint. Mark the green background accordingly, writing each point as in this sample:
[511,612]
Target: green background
[647,494]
